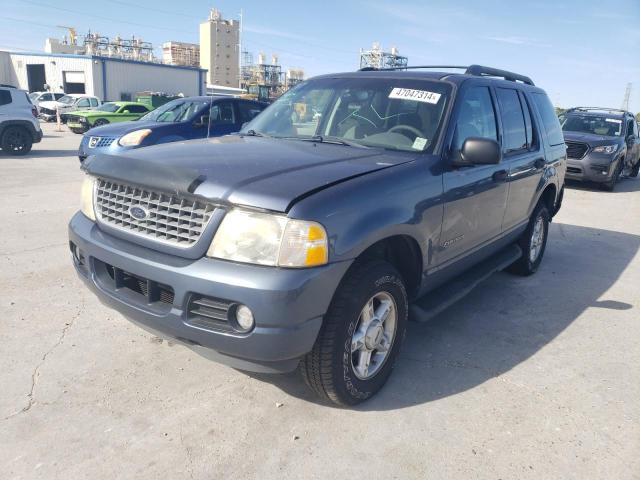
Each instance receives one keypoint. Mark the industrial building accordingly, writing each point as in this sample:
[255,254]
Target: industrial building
[377,58]
[180,53]
[108,78]
[220,50]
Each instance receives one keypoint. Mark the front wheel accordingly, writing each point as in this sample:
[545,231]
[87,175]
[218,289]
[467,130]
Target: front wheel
[16,141]
[635,169]
[611,184]
[100,122]
[361,335]
[533,242]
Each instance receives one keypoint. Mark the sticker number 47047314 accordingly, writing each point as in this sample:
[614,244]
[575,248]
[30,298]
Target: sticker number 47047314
[415,95]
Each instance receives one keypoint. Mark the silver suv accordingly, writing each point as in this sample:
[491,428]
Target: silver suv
[19,126]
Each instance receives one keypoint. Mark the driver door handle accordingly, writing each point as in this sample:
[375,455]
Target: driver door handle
[499,176]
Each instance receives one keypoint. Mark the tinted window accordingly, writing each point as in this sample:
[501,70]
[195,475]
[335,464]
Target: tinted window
[549,118]
[58,95]
[630,127]
[5,97]
[136,108]
[476,117]
[527,120]
[46,97]
[249,110]
[514,136]
[222,114]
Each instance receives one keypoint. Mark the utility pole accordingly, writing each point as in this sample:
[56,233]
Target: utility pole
[627,96]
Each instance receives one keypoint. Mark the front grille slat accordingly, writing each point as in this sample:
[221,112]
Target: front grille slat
[173,220]
[209,313]
[576,150]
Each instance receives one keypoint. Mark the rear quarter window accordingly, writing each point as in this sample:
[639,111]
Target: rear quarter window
[5,97]
[550,120]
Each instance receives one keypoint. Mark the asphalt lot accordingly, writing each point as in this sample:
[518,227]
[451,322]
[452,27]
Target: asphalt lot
[534,377]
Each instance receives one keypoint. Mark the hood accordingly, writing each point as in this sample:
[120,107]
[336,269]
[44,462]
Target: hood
[117,129]
[258,172]
[591,138]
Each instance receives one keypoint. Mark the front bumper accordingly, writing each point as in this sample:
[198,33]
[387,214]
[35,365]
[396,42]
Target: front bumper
[591,168]
[288,304]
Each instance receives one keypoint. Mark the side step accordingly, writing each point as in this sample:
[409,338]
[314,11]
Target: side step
[434,302]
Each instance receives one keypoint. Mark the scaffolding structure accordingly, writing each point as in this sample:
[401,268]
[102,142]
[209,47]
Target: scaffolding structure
[180,53]
[377,58]
[129,49]
[294,77]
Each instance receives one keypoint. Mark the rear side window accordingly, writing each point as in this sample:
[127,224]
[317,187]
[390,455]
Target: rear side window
[248,111]
[94,102]
[514,136]
[137,108]
[476,117]
[549,118]
[5,97]
[222,114]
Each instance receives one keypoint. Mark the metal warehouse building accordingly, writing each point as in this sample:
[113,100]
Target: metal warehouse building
[110,79]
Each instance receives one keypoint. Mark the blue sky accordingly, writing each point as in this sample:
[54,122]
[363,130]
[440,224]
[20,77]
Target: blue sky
[581,51]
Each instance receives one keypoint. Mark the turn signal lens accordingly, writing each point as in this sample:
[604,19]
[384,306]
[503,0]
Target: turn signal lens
[304,244]
[86,197]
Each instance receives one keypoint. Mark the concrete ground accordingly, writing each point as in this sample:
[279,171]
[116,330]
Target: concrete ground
[525,378]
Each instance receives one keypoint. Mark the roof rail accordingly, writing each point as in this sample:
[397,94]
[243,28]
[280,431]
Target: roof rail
[598,109]
[5,85]
[481,71]
[476,70]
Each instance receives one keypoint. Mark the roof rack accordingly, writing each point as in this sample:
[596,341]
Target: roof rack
[6,85]
[597,109]
[476,70]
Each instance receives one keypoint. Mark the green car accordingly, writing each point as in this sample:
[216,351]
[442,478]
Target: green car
[110,112]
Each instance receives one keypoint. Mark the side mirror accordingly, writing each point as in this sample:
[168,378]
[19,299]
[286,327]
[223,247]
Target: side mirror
[479,151]
[202,121]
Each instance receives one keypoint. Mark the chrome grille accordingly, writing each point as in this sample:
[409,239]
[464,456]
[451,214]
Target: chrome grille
[576,150]
[167,218]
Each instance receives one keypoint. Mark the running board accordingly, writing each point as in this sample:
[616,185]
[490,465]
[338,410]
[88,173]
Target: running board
[434,302]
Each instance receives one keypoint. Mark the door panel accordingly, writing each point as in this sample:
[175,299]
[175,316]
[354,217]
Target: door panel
[474,204]
[475,197]
[525,164]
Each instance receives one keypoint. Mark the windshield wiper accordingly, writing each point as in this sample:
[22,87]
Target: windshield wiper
[336,140]
[254,133]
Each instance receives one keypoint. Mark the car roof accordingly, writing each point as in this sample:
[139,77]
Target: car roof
[598,112]
[451,77]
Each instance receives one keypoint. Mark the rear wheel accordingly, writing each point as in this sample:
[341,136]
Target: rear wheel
[361,335]
[533,242]
[16,141]
[100,122]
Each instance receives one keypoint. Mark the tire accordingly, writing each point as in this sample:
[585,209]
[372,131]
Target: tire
[77,130]
[611,185]
[329,368]
[529,262]
[100,122]
[16,141]
[635,170]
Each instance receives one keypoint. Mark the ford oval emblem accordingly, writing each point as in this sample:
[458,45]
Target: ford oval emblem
[138,212]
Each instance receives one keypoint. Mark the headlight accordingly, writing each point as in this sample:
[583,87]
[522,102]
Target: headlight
[134,138]
[266,239]
[608,149]
[86,197]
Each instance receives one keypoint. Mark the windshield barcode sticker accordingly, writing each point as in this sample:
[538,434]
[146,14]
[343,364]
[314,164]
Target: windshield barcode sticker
[415,95]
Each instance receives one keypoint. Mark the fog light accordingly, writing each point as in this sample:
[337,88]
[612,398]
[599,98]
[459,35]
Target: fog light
[244,318]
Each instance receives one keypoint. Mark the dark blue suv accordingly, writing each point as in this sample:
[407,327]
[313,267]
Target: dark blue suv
[182,119]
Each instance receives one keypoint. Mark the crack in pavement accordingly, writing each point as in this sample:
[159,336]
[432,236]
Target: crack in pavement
[36,370]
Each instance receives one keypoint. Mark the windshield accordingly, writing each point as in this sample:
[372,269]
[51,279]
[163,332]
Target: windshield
[398,114]
[174,111]
[108,107]
[67,100]
[34,95]
[595,124]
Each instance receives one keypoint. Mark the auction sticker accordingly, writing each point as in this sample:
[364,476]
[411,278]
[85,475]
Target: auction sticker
[415,95]
[419,143]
